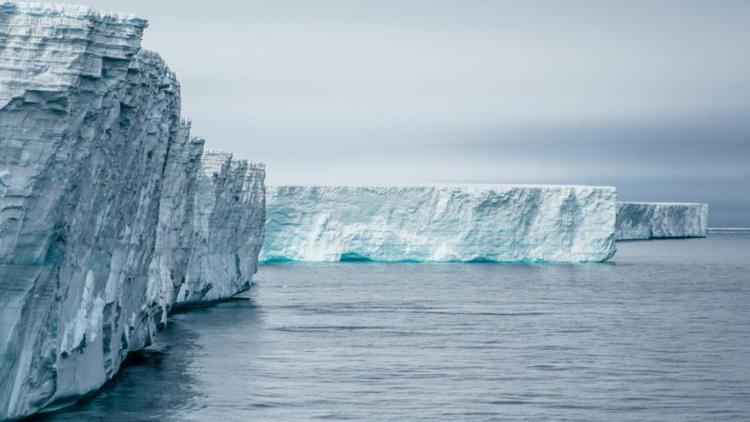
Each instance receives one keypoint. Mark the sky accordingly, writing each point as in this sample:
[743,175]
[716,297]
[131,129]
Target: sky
[650,96]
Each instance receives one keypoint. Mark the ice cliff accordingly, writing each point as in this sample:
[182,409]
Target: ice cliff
[655,220]
[228,224]
[440,223]
[102,201]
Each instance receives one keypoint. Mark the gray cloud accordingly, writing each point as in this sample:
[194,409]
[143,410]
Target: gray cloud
[652,96]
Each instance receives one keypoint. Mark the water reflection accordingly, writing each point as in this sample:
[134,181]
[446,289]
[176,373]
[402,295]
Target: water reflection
[661,333]
[162,382]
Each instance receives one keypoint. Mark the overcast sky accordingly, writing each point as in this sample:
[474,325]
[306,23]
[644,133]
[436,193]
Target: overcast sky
[650,96]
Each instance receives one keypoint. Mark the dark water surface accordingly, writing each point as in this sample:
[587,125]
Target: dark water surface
[660,333]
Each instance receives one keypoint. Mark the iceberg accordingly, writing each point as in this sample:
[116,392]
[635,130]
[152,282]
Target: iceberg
[660,220]
[228,226]
[101,190]
[485,223]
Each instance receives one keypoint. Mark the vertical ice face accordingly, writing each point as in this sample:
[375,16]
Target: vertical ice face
[99,185]
[86,121]
[174,236]
[440,223]
[229,208]
[656,220]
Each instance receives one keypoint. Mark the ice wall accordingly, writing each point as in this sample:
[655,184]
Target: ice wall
[85,130]
[228,227]
[175,237]
[656,220]
[98,185]
[440,223]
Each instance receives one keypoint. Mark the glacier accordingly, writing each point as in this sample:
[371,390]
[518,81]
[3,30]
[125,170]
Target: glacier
[661,220]
[106,208]
[493,223]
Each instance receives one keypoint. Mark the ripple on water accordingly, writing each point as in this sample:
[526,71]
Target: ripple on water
[653,336]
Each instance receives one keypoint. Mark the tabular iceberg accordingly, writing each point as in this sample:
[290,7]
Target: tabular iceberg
[440,223]
[100,191]
[657,220]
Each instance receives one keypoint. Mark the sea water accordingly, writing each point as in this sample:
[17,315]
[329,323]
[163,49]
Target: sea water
[662,332]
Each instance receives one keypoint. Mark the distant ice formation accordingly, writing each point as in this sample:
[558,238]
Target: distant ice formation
[104,209]
[659,220]
[440,223]
[727,230]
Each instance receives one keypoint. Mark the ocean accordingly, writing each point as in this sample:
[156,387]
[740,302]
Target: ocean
[662,332]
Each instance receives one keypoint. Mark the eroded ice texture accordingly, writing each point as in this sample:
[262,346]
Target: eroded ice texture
[440,223]
[175,236]
[655,220]
[98,176]
[228,224]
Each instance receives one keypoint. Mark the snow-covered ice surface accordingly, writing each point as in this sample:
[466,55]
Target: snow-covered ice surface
[98,183]
[660,220]
[440,223]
